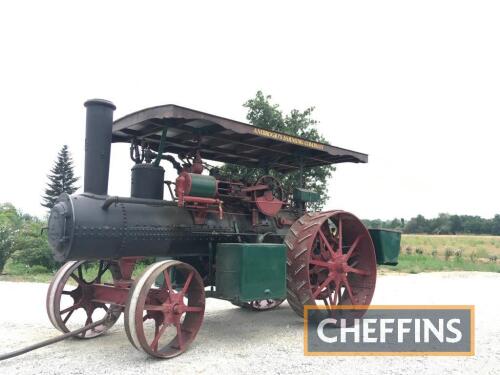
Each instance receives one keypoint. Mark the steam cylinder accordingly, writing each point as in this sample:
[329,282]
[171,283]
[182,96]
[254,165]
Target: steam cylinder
[98,145]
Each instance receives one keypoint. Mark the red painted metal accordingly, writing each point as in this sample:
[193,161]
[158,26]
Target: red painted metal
[105,294]
[201,204]
[331,258]
[175,310]
[268,205]
[269,200]
[197,166]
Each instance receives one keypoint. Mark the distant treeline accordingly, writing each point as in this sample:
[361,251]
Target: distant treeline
[443,224]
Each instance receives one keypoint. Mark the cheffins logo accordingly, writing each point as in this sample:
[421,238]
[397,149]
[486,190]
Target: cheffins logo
[389,330]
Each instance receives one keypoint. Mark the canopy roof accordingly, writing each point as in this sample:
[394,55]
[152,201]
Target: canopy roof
[220,139]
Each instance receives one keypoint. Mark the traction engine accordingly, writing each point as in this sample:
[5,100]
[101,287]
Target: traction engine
[249,242]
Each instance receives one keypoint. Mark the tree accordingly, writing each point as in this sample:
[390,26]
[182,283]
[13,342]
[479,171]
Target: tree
[10,223]
[61,178]
[264,114]
[31,247]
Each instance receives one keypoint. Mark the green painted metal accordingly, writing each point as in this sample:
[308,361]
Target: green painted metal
[305,195]
[387,245]
[161,147]
[248,271]
[203,186]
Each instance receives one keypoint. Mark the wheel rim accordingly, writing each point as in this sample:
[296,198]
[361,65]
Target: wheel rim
[331,261]
[70,305]
[164,320]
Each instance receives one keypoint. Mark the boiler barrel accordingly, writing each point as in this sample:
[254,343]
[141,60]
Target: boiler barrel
[80,228]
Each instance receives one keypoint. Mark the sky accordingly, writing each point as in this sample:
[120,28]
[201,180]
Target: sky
[414,84]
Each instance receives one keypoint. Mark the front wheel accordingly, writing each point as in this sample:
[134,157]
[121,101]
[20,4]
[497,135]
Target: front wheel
[162,319]
[70,298]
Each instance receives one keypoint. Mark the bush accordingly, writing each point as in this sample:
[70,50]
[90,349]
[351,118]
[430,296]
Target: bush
[434,253]
[32,248]
[448,253]
[6,245]
[37,269]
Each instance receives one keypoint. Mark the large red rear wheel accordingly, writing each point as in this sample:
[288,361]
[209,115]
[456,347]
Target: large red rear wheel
[331,261]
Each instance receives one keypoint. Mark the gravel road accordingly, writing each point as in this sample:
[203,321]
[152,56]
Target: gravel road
[233,340]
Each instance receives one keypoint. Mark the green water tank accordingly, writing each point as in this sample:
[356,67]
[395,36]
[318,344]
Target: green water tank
[249,271]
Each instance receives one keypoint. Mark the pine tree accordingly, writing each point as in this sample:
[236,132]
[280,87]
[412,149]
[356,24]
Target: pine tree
[61,178]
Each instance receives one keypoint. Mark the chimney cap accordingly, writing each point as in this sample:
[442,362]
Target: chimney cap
[103,102]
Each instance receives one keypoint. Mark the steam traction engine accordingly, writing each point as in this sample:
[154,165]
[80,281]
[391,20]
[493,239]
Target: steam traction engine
[248,242]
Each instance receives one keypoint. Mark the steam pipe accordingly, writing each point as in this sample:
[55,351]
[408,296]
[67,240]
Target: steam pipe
[153,202]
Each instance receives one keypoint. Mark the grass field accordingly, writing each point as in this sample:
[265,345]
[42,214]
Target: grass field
[427,263]
[483,246]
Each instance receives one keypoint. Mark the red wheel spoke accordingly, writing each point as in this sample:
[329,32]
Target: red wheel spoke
[168,281]
[321,287]
[80,273]
[67,292]
[105,308]
[318,263]
[102,271]
[153,307]
[357,271]
[76,278]
[68,316]
[324,253]
[158,334]
[194,309]
[68,309]
[188,281]
[180,339]
[325,241]
[349,292]
[87,322]
[89,319]
[353,246]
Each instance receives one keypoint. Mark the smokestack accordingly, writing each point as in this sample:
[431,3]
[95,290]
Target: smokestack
[98,145]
